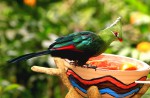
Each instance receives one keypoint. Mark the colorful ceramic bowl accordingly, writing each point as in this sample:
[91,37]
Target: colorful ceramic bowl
[111,83]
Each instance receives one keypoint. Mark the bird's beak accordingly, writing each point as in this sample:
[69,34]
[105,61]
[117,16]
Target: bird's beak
[120,39]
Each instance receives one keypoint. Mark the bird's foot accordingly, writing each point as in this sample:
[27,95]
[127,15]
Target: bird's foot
[90,66]
[71,62]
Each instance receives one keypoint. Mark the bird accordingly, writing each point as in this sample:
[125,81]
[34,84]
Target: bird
[80,46]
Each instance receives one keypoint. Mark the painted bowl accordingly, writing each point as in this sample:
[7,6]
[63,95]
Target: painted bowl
[111,83]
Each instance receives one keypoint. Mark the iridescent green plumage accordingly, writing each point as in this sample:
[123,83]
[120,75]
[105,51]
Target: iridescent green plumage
[80,46]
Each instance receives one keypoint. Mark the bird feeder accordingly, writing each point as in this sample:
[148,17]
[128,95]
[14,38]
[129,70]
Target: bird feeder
[101,82]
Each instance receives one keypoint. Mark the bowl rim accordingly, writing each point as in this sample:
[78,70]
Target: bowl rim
[146,66]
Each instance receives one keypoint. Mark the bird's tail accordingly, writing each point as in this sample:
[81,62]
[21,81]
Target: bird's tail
[28,56]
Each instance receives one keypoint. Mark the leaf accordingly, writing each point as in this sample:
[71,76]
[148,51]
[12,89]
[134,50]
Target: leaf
[135,53]
[13,87]
[125,51]
[85,15]
[138,5]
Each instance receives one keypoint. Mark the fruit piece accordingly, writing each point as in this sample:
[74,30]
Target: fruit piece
[128,66]
[103,64]
[114,65]
[96,58]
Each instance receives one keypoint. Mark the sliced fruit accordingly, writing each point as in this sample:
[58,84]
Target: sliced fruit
[128,66]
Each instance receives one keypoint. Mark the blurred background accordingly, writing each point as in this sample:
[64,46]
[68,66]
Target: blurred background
[32,25]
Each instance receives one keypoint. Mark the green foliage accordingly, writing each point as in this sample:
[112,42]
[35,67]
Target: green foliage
[26,27]
[12,90]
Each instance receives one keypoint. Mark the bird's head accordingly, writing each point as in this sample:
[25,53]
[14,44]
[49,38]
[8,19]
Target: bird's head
[112,32]
[116,29]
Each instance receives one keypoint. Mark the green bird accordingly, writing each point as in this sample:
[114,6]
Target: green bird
[80,46]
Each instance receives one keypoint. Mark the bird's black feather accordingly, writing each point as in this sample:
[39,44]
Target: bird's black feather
[28,56]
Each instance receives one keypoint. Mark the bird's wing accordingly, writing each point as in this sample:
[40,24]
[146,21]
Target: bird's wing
[75,41]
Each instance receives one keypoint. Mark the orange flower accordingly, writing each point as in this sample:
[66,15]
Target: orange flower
[143,46]
[30,2]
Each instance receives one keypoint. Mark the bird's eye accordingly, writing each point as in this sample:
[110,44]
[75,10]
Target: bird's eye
[116,34]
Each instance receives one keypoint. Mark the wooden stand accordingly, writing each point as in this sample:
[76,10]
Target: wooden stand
[60,71]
